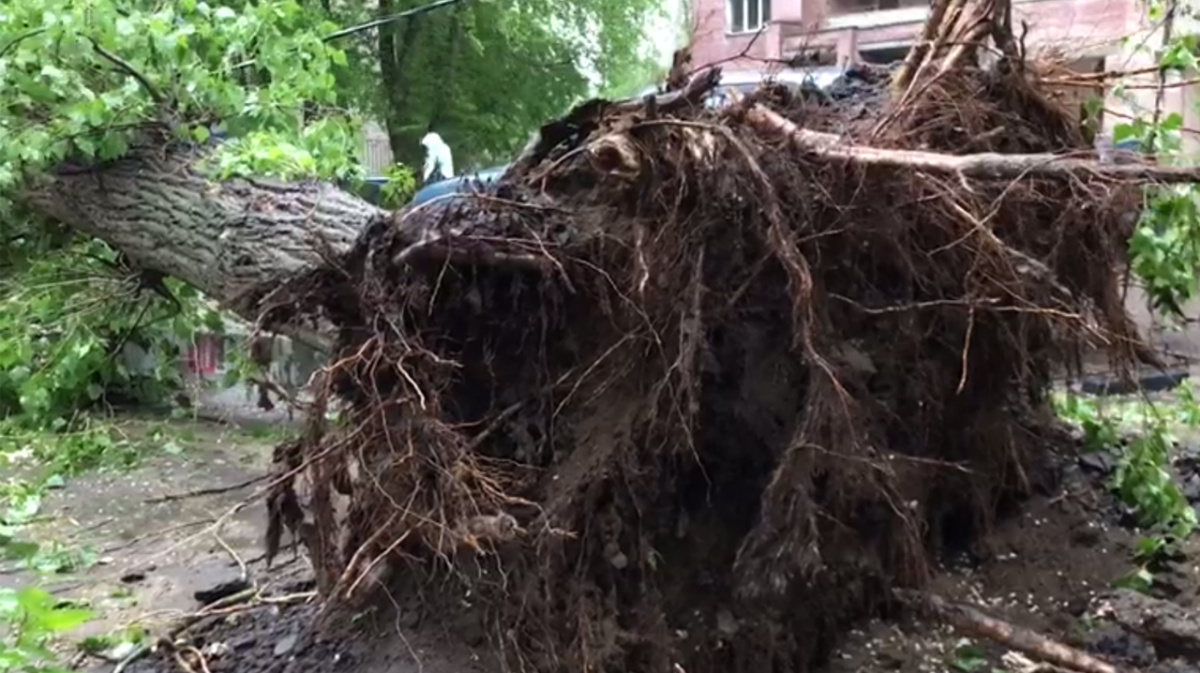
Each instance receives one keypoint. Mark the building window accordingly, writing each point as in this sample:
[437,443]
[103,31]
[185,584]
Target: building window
[883,55]
[840,7]
[747,16]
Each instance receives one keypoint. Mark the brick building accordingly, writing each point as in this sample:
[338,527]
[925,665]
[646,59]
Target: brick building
[1101,34]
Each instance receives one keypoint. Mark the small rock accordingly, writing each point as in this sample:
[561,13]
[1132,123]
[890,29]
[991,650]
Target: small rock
[857,360]
[285,644]
[1191,488]
[1173,666]
[889,660]
[220,591]
[1114,641]
[1077,606]
[1085,536]
[1099,463]
[470,629]
[409,618]
[1168,586]
[243,642]
[216,650]
[133,577]
[727,624]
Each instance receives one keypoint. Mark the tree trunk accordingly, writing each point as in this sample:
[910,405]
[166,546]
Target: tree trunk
[394,50]
[232,240]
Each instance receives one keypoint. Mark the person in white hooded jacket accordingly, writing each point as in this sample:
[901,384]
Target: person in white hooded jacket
[439,165]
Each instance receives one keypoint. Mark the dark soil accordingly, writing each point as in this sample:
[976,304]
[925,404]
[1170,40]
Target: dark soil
[1046,568]
[1043,567]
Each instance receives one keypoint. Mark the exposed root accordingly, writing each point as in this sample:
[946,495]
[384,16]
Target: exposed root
[690,362]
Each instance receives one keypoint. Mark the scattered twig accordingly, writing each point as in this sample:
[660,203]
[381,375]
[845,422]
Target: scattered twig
[200,660]
[1099,77]
[234,555]
[188,621]
[1126,115]
[1160,94]
[917,53]
[736,57]
[201,492]
[240,602]
[498,421]
[1074,82]
[19,39]
[128,69]
[160,533]
[137,653]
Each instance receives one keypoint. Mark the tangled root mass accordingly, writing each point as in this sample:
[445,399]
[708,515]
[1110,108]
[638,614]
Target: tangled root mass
[683,392]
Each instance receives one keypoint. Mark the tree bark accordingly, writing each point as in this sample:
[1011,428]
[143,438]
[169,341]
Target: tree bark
[394,50]
[232,240]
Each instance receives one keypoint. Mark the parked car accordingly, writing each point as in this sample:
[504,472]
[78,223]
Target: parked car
[470,182]
[747,81]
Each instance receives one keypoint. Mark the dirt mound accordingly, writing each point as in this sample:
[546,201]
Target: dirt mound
[698,387]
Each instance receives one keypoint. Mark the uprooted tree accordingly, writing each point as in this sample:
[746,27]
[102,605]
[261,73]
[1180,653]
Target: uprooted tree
[756,363]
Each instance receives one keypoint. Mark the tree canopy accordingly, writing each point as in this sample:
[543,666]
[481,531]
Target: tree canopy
[486,73]
[240,89]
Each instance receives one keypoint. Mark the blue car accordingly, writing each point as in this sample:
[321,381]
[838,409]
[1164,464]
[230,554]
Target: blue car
[372,188]
[463,184]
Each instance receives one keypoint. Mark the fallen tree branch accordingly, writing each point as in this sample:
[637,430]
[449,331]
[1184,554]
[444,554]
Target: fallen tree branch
[982,166]
[125,67]
[970,620]
[201,492]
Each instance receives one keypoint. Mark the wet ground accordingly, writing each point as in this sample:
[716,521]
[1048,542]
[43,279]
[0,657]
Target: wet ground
[141,546]
[1040,568]
[1043,568]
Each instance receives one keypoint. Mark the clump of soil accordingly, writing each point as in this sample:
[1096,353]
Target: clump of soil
[690,391]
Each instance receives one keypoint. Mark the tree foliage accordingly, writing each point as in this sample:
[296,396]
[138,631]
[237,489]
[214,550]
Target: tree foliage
[84,82]
[486,73]
[67,312]
[261,89]
[1164,251]
[85,79]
